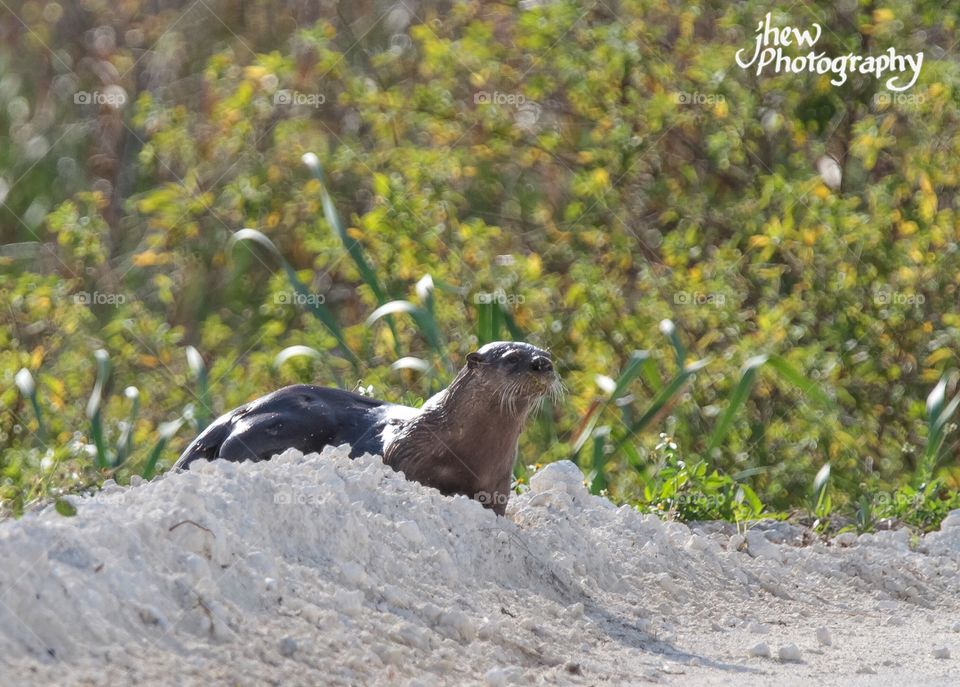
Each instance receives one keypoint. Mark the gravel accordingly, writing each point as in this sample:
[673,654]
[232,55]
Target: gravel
[309,570]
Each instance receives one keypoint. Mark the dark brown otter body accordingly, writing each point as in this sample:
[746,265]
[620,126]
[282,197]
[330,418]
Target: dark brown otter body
[462,441]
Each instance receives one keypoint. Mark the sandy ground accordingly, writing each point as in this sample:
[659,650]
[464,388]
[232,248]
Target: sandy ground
[320,570]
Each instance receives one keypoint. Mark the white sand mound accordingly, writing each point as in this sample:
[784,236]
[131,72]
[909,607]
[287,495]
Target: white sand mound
[321,570]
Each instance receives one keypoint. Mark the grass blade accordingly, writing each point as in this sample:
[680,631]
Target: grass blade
[319,310]
[94,407]
[199,370]
[28,388]
[411,363]
[790,373]
[613,389]
[353,246]
[737,399]
[669,329]
[166,432]
[598,477]
[663,401]
[295,352]
[939,412]
[821,495]
[392,308]
[630,372]
[125,442]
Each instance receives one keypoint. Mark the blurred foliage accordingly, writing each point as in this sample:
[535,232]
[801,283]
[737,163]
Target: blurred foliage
[572,173]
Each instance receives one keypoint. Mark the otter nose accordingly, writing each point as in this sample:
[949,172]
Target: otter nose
[541,364]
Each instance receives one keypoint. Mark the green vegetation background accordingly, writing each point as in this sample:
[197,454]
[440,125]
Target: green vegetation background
[568,173]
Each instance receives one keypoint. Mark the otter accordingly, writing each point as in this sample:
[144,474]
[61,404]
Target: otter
[463,440]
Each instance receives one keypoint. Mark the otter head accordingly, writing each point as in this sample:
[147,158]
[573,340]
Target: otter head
[464,439]
[513,374]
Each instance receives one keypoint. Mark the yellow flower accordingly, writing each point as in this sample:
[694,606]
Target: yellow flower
[882,15]
[146,259]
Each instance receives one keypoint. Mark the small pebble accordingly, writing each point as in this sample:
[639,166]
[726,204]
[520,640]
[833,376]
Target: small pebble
[761,650]
[288,646]
[757,628]
[790,653]
[940,652]
[955,627]
[866,670]
[845,539]
[500,677]
[823,636]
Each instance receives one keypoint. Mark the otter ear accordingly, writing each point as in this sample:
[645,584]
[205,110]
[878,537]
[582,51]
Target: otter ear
[474,359]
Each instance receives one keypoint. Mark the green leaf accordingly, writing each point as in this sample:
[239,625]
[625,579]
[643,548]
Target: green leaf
[65,508]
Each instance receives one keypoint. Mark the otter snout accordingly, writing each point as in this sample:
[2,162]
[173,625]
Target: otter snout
[541,363]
